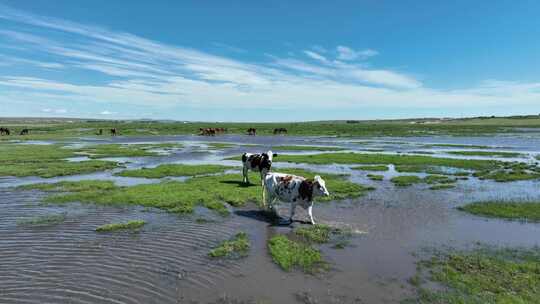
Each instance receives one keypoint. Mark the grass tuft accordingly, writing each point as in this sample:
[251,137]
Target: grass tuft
[289,254]
[371,168]
[44,220]
[135,224]
[236,247]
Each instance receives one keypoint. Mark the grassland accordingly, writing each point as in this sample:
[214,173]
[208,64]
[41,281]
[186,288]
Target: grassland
[371,168]
[175,170]
[289,254]
[384,159]
[117,150]
[375,177]
[236,247]
[486,153]
[485,275]
[405,180]
[528,210]
[59,128]
[212,192]
[45,161]
[131,225]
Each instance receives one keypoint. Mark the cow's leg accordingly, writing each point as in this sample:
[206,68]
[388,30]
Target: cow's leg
[310,213]
[293,209]
[245,175]
[264,197]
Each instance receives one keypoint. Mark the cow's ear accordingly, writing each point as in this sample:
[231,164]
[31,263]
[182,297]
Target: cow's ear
[274,155]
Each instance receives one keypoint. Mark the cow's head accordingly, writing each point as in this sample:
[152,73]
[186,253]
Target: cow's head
[319,187]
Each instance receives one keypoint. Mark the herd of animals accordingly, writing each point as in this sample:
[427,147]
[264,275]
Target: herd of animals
[202,131]
[287,188]
[292,189]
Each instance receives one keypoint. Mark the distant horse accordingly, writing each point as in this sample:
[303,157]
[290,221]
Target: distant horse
[4,131]
[207,131]
[99,132]
[280,131]
[114,132]
[252,131]
[24,132]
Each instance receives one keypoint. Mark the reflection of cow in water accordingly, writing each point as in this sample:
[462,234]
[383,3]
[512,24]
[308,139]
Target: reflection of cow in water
[24,132]
[280,131]
[114,132]
[4,131]
[252,131]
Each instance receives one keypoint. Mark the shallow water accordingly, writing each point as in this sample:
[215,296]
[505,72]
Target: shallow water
[166,261]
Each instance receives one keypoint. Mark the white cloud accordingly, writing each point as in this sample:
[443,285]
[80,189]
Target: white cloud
[139,72]
[346,53]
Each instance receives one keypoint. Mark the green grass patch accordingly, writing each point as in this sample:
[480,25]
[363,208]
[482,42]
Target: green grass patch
[219,146]
[236,247]
[438,179]
[174,170]
[405,180]
[442,186]
[375,177]
[372,158]
[118,150]
[43,220]
[507,175]
[371,168]
[45,161]
[457,146]
[289,254]
[320,233]
[486,153]
[480,276]
[529,211]
[211,192]
[135,224]
[307,148]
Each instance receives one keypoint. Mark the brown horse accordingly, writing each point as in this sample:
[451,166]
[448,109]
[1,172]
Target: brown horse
[114,132]
[252,131]
[280,131]
[24,132]
[4,131]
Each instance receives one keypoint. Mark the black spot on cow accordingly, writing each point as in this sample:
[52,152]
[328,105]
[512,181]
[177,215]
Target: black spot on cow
[306,190]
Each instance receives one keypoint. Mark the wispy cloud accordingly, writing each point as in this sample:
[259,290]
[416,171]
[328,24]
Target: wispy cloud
[130,70]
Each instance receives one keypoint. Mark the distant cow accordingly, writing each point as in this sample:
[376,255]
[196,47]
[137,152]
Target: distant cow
[4,131]
[24,132]
[252,131]
[114,132]
[280,131]
[256,162]
[293,189]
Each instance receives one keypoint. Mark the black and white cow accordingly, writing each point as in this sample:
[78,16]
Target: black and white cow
[293,189]
[256,162]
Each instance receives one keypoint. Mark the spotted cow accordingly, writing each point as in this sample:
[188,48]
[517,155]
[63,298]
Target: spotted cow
[256,162]
[293,189]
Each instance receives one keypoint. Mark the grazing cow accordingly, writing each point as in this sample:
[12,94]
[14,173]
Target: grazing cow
[24,132]
[256,162]
[293,189]
[4,131]
[114,132]
[252,131]
[280,131]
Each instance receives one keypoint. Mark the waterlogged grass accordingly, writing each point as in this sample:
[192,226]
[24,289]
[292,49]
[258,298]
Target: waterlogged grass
[236,247]
[175,170]
[43,220]
[486,153]
[371,168]
[484,275]
[528,211]
[212,192]
[45,161]
[405,180]
[218,145]
[383,159]
[457,146]
[289,254]
[375,177]
[321,233]
[442,186]
[135,224]
[438,179]
[505,175]
[307,148]
[117,150]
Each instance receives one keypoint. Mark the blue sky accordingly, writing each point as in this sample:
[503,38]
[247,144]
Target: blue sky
[280,61]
